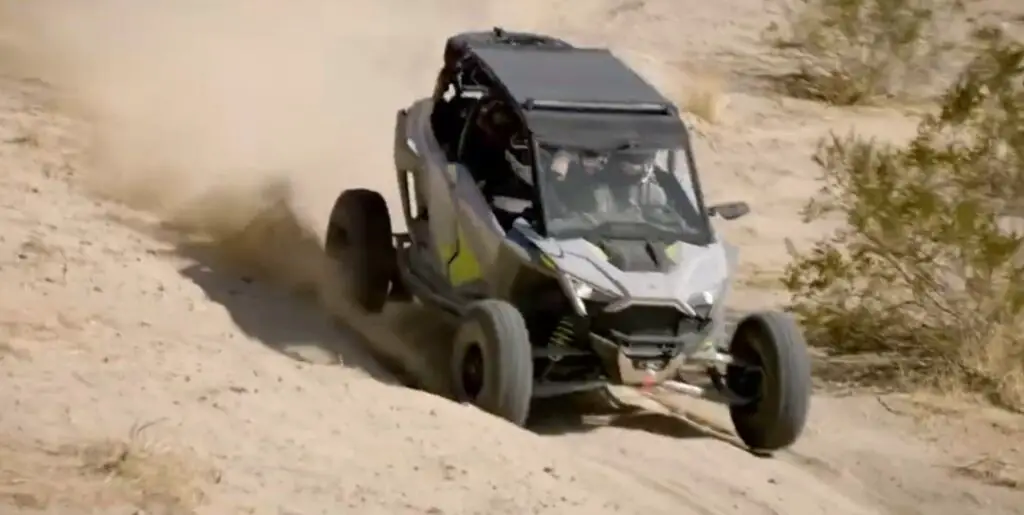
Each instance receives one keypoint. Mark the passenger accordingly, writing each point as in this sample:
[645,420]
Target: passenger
[576,179]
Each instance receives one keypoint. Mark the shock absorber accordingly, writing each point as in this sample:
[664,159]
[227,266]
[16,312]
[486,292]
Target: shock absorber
[564,333]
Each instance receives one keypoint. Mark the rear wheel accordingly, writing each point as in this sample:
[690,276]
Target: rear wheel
[776,378]
[359,238]
[492,365]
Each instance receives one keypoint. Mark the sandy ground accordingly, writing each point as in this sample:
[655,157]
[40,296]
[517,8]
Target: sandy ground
[213,369]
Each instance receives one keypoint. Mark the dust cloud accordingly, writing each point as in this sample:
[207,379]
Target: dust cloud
[237,122]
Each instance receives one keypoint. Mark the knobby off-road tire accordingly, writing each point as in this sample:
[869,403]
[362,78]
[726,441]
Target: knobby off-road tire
[494,335]
[359,239]
[774,342]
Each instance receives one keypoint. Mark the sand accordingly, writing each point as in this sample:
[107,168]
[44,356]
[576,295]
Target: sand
[173,342]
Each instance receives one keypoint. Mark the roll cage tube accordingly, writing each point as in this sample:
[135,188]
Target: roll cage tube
[538,200]
[698,192]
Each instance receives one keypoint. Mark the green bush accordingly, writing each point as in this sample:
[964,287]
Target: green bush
[853,51]
[928,265]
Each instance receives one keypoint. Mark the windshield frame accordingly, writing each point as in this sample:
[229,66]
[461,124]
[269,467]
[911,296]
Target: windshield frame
[544,193]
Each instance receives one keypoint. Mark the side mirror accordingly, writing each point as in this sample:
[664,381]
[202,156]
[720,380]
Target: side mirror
[729,210]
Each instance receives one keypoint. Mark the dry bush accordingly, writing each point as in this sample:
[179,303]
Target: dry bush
[148,475]
[104,475]
[993,471]
[705,99]
[929,264]
[854,51]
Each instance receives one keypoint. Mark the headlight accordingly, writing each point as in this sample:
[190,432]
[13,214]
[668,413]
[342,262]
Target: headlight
[715,312]
[587,291]
[703,303]
[580,290]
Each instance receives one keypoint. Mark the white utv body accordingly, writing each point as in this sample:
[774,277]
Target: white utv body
[553,205]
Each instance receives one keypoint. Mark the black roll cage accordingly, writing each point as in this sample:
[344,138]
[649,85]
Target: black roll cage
[459,58]
[455,65]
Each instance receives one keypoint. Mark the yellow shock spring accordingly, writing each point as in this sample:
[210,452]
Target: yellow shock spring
[563,334]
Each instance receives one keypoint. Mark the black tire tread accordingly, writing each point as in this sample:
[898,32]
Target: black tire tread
[369,258]
[777,423]
[507,356]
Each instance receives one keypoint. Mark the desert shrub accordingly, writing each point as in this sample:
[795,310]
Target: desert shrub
[853,51]
[928,265]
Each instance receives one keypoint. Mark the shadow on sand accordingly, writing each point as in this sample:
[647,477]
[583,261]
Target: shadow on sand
[405,345]
[283,321]
[598,410]
[250,252]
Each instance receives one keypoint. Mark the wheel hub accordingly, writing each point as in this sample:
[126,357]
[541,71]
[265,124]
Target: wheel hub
[472,375]
[745,382]
[337,240]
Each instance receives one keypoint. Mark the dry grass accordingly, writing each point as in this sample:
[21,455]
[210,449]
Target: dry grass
[993,471]
[705,98]
[10,331]
[995,458]
[759,278]
[109,474]
[49,261]
[24,139]
[856,51]
[36,246]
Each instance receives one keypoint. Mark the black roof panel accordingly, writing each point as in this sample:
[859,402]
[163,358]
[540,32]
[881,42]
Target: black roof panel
[567,75]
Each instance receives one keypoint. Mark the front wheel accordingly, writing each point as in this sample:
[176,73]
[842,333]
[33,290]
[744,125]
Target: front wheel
[774,374]
[492,364]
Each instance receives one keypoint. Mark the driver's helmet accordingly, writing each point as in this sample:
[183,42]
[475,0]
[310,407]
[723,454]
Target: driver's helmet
[636,164]
[592,162]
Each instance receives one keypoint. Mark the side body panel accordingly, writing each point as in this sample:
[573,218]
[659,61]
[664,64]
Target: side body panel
[433,186]
[463,232]
[480,238]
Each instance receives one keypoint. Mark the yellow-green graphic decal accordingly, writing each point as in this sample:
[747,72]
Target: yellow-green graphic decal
[462,263]
[548,262]
[674,251]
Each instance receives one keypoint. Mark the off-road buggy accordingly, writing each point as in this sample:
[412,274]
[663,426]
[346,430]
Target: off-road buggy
[553,205]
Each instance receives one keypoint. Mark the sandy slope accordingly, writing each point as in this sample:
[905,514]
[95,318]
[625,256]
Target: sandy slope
[224,391]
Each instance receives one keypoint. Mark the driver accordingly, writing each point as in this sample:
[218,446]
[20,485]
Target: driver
[632,181]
